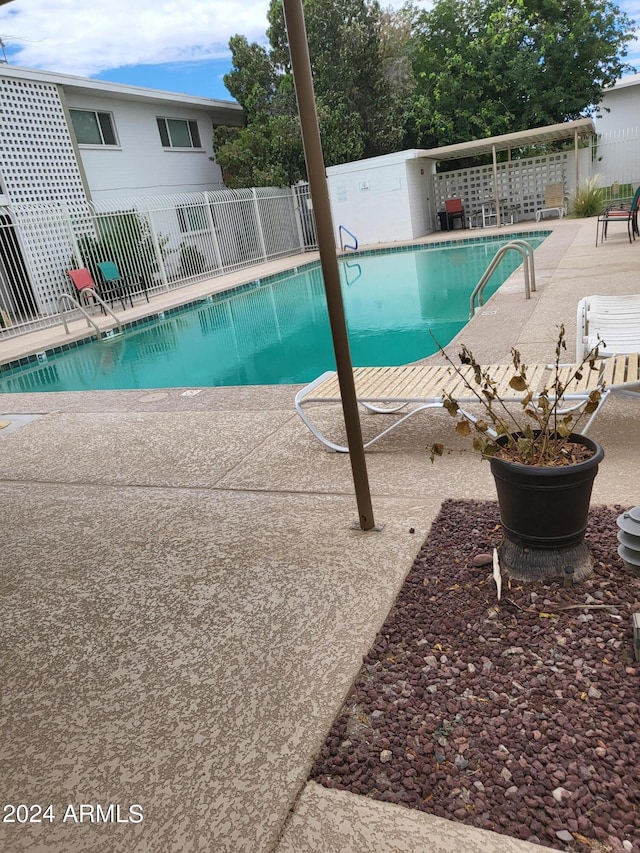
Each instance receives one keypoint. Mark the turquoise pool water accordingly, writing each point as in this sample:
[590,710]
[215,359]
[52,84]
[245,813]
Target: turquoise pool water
[277,331]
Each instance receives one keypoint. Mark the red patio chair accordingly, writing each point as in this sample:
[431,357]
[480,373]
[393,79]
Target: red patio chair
[84,284]
[87,288]
[454,210]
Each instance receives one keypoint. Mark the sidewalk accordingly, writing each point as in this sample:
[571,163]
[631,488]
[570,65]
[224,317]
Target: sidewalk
[185,601]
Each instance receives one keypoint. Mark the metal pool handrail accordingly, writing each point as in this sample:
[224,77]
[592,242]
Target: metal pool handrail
[526,250]
[341,228]
[90,322]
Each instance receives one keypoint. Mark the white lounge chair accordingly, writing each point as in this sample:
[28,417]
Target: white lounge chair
[416,388]
[610,322]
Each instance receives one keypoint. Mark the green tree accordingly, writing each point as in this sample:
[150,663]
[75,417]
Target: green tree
[361,80]
[268,150]
[485,67]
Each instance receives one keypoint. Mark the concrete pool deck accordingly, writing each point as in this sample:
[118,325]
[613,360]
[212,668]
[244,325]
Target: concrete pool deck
[186,603]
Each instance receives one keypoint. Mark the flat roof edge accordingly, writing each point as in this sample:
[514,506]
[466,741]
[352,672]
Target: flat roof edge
[124,90]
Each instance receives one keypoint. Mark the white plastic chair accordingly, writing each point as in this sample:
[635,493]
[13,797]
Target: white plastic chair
[610,322]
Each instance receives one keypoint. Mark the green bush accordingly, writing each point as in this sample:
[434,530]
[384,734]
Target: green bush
[125,238]
[587,199]
[192,260]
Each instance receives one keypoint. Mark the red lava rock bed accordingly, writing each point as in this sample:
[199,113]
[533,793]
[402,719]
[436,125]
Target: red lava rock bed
[521,717]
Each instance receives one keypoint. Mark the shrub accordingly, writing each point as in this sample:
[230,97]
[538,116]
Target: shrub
[540,432]
[192,260]
[123,237]
[587,199]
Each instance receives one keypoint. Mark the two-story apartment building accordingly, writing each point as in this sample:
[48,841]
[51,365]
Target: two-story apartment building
[619,110]
[68,138]
[68,141]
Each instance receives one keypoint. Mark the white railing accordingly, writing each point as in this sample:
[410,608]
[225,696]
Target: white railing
[165,241]
[171,241]
[526,251]
[616,156]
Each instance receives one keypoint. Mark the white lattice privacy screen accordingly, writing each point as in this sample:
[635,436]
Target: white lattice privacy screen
[520,182]
[48,241]
[39,165]
[38,159]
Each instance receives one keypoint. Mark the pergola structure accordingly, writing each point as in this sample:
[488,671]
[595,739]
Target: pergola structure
[582,128]
[579,129]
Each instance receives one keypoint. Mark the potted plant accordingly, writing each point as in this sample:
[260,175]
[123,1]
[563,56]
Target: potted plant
[542,466]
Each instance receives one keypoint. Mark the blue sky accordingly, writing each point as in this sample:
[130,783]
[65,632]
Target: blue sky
[162,44]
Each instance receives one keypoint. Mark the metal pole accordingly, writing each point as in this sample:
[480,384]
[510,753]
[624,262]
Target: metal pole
[301,65]
[495,186]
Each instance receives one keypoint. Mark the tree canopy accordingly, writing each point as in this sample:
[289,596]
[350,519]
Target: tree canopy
[357,55]
[386,80]
[485,67]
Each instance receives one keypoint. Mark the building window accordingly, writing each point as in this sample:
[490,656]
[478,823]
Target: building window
[191,219]
[93,128]
[179,133]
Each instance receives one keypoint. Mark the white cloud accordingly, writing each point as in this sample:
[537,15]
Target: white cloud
[86,38]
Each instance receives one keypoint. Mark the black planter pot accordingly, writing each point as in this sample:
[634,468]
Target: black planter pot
[546,509]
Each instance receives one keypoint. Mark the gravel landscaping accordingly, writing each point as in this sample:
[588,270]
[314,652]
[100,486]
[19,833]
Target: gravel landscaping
[521,716]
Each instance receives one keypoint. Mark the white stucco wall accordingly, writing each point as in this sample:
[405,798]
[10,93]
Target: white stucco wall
[379,199]
[40,160]
[420,187]
[620,106]
[140,166]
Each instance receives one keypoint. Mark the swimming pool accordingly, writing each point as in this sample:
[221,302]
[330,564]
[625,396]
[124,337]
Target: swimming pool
[276,331]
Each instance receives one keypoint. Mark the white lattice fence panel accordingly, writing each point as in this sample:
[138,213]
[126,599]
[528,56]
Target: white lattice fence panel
[532,175]
[38,158]
[40,174]
[48,248]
